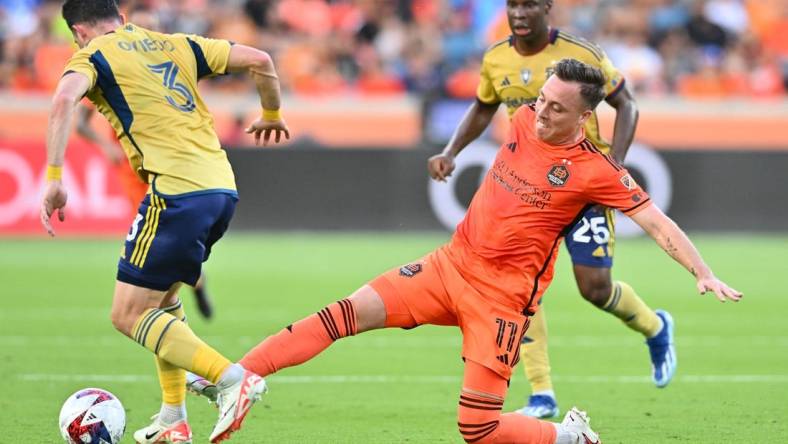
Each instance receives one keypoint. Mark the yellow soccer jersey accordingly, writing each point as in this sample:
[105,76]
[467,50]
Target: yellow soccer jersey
[511,78]
[145,84]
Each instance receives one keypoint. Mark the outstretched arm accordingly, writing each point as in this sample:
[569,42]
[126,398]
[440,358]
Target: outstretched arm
[260,67]
[475,121]
[626,122]
[670,237]
[70,90]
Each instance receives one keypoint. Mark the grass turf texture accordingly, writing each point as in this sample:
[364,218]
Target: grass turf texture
[400,386]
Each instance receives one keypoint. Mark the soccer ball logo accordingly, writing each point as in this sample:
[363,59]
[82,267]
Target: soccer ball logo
[92,416]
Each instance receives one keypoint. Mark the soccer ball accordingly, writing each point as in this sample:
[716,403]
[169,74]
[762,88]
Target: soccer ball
[92,416]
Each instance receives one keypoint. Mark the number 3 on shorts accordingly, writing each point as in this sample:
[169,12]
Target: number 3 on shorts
[596,225]
[135,228]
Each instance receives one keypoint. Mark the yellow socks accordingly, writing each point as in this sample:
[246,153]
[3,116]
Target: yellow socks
[172,379]
[173,341]
[626,305]
[533,352]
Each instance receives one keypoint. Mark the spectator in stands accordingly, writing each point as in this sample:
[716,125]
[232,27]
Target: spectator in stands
[702,31]
[730,15]
[628,49]
[430,47]
[775,40]
[677,61]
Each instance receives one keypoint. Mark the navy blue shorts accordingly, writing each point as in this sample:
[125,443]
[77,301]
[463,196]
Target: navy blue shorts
[172,236]
[590,242]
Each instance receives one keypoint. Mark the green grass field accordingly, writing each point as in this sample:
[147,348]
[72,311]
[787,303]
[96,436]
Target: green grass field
[401,386]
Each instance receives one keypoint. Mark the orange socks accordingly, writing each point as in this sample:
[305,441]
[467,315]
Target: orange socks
[300,342]
[479,414]
[524,429]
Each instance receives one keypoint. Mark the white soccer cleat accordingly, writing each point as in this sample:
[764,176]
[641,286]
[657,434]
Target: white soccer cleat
[234,403]
[578,423]
[160,433]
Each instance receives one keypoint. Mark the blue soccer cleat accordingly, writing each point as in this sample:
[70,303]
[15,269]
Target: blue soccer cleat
[540,406]
[663,352]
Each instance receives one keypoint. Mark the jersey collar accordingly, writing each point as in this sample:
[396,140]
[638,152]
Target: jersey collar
[552,35]
[554,148]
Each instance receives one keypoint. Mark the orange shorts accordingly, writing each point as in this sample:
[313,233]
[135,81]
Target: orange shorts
[432,291]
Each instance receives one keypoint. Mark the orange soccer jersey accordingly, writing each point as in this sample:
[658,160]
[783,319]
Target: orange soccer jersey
[507,244]
[489,278]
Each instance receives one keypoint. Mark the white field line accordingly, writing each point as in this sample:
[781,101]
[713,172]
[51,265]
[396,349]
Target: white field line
[392,379]
[413,342]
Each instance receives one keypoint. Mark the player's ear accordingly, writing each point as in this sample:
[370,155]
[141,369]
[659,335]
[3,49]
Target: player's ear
[585,116]
[123,19]
[79,32]
[548,5]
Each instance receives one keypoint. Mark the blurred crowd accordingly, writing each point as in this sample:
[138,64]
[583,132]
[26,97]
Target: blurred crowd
[693,48]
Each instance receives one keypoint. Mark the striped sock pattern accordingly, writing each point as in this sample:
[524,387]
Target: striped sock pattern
[485,412]
[148,322]
[339,319]
[173,341]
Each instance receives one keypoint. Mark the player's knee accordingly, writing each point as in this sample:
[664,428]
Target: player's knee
[120,321]
[595,289]
[123,318]
[369,309]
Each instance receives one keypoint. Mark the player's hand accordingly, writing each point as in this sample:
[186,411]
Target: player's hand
[265,128]
[440,166]
[55,198]
[721,290]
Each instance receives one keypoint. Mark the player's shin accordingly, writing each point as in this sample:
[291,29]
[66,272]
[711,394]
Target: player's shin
[300,342]
[174,342]
[626,305]
[479,415]
[172,379]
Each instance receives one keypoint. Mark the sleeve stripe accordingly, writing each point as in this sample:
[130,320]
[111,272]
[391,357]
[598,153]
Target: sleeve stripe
[508,40]
[106,82]
[589,145]
[203,69]
[583,44]
[105,79]
[612,163]
[628,210]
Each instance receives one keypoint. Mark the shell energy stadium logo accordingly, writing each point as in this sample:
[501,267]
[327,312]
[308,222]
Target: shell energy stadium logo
[558,175]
